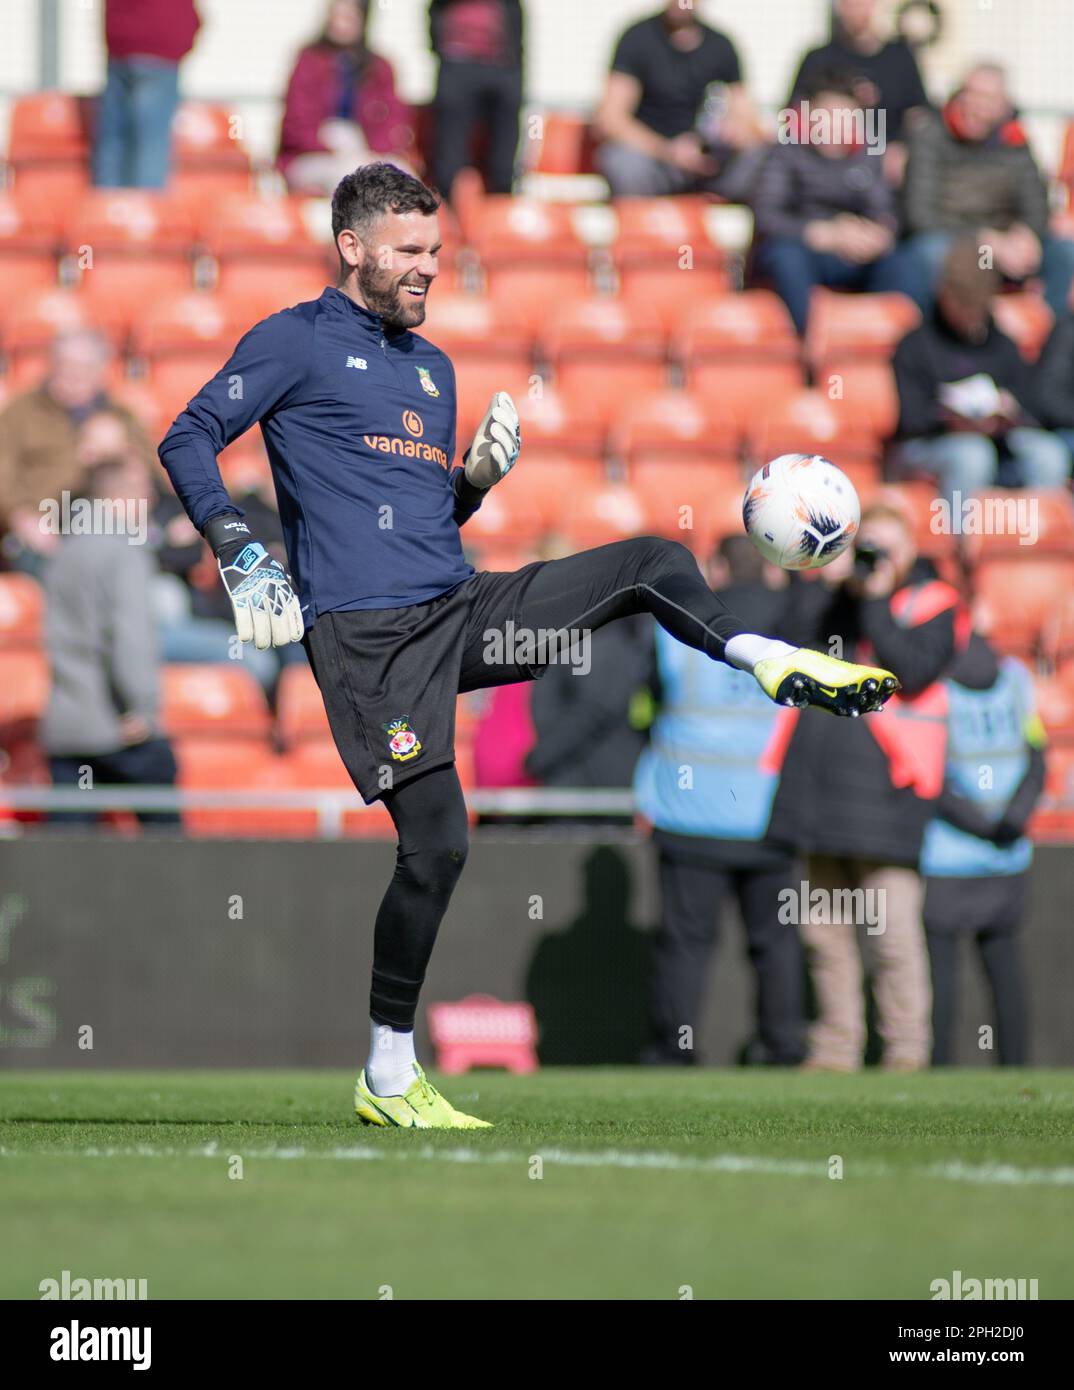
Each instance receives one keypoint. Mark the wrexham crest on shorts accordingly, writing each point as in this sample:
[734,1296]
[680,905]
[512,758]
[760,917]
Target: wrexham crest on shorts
[402,740]
[428,385]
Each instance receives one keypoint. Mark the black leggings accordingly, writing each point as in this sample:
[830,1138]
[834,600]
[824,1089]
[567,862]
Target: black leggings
[586,591]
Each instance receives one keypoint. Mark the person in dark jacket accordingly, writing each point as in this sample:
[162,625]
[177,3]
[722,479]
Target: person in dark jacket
[882,72]
[704,785]
[146,41]
[971,171]
[976,857]
[823,212]
[341,109]
[1054,381]
[966,395]
[478,86]
[856,800]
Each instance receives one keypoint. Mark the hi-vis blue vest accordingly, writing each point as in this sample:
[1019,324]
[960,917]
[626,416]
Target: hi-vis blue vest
[986,743]
[707,768]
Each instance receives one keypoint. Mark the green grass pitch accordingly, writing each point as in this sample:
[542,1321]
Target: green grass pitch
[651,1183]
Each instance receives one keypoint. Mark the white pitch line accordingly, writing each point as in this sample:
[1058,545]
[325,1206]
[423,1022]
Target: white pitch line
[953,1170]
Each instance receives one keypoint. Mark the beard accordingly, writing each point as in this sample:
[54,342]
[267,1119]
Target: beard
[384,296]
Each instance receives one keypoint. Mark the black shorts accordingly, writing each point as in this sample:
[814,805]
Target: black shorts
[389,677]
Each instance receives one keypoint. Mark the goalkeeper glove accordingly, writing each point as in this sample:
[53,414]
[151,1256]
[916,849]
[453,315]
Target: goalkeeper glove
[262,593]
[494,451]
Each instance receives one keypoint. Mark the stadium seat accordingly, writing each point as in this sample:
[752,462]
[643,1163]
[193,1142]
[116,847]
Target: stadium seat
[1021,523]
[746,388]
[672,423]
[857,326]
[1017,598]
[1057,638]
[24,688]
[753,325]
[864,391]
[665,231]
[476,325]
[564,146]
[672,293]
[233,765]
[1026,318]
[603,512]
[22,610]
[193,321]
[49,127]
[300,715]
[29,242]
[550,419]
[688,501]
[605,348]
[317,766]
[530,293]
[206,136]
[23,271]
[131,247]
[251,294]
[213,701]
[52,185]
[174,380]
[505,230]
[809,422]
[246,227]
[32,320]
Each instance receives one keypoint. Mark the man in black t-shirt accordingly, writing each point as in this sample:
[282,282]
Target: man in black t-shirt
[674,112]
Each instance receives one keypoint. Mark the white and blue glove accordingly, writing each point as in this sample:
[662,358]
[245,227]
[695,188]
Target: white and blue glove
[262,593]
[497,442]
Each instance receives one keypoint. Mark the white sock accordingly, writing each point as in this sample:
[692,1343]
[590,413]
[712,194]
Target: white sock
[745,650]
[390,1067]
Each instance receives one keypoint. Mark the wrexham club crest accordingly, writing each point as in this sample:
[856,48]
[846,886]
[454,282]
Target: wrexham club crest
[402,740]
[428,385]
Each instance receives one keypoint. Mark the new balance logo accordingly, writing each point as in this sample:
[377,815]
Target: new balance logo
[358,362]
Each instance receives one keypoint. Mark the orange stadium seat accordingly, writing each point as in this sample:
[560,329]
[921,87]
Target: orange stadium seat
[213,701]
[746,389]
[300,712]
[606,348]
[809,422]
[550,418]
[252,292]
[506,230]
[753,325]
[49,126]
[22,609]
[52,185]
[208,136]
[663,231]
[1045,517]
[24,687]
[564,145]
[475,325]
[174,380]
[675,422]
[30,323]
[232,765]
[273,230]
[317,766]
[507,513]
[688,501]
[857,326]
[672,293]
[1026,318]
[866,392]
[27,228]
[603,512]
[531,293]
[1017,599]
[193,321]
[1057,638]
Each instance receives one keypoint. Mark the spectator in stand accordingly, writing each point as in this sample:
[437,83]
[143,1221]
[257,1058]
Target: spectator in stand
[966,394]
[341,109]
[970,171]
[675,116]
[1054,377]
[478,87]
[881,71]
[146,41]
[709,829]
[823,212]
[39,434]
[877,780]
[976,857]
[101,724]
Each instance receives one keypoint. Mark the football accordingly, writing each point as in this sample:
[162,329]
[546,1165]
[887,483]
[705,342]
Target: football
[800,511]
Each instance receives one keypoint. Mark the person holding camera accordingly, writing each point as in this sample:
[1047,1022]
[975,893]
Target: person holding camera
[871,786]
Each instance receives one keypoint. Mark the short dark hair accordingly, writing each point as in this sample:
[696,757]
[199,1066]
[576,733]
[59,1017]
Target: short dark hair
[363,197]
[834,80]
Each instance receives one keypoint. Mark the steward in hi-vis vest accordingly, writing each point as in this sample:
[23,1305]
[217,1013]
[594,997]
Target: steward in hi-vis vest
[977,855]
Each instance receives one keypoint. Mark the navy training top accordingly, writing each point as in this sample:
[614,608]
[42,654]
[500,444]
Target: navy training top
[359,423]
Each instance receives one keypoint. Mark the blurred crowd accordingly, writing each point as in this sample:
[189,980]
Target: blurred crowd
[866,185]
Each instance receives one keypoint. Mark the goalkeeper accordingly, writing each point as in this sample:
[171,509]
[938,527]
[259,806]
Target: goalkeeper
[358,417]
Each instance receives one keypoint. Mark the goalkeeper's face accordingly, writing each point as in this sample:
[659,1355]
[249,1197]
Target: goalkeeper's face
[398,267]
